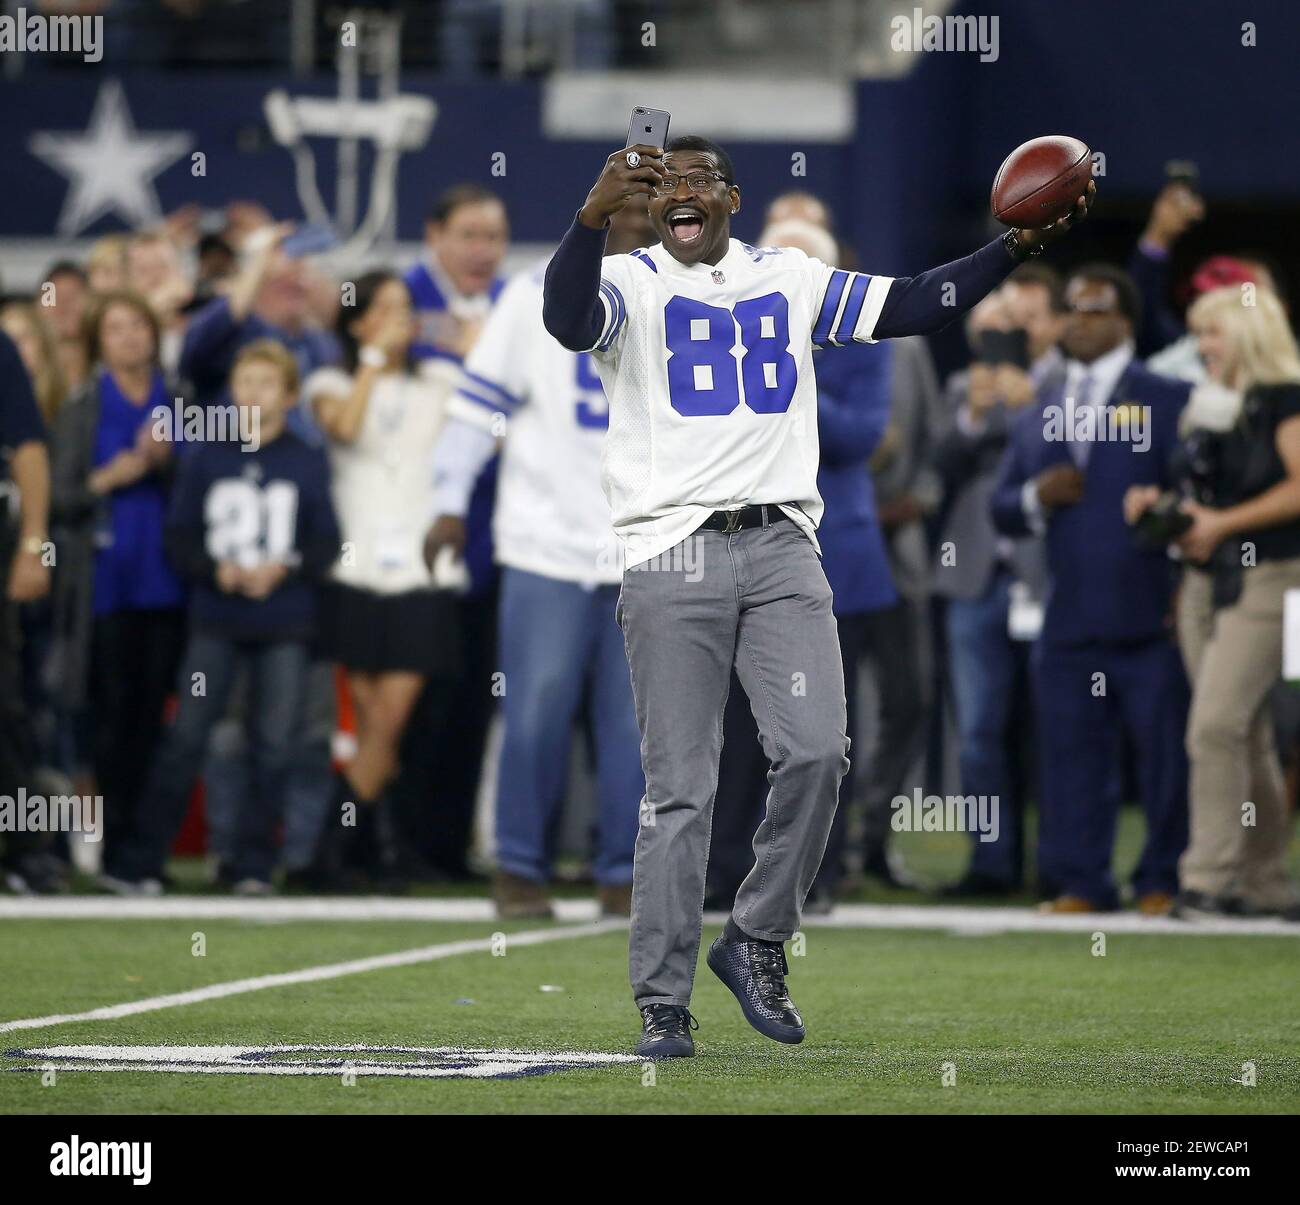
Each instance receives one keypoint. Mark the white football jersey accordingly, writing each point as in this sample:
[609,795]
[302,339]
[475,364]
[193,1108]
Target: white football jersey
[380,481]
[551,517]
[709,373]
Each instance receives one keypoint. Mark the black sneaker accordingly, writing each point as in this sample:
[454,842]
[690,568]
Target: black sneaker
[35,873]
[755,972]
[666,1032]
[1198,905]
[1244,909]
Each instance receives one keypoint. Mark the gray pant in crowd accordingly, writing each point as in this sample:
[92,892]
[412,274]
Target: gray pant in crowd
[759,599]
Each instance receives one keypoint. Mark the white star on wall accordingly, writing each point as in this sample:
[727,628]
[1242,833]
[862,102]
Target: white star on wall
[111,167]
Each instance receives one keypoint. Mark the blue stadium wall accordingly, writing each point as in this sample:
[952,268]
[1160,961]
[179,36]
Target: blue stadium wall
[1142,82]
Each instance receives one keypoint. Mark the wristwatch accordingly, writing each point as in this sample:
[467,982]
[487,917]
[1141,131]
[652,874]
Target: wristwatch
[1016,250]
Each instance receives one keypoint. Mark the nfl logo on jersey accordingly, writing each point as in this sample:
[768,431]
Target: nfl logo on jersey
[718,278]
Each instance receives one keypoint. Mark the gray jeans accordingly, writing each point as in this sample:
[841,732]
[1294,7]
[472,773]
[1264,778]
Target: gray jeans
[759,599]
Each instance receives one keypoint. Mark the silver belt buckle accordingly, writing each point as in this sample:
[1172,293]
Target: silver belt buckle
[733,522]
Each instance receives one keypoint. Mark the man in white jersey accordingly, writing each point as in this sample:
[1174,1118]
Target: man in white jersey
[704,345]
[558,643]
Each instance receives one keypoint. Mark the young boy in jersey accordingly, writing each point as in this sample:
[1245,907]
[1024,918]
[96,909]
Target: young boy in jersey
[253,527]
[704,346]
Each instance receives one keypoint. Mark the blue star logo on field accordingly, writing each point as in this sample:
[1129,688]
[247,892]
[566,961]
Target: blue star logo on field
[404,1062]
[111,166]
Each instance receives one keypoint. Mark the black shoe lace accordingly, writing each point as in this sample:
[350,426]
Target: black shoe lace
[770,969]
[667,1020]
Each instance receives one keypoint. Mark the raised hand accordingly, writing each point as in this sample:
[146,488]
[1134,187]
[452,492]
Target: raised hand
[1033,241]
[620,181]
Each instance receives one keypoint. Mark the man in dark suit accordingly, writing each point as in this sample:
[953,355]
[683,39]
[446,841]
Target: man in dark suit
[1105,667]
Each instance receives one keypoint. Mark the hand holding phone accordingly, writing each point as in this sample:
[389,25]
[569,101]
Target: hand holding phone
[1178,205]
[633,171]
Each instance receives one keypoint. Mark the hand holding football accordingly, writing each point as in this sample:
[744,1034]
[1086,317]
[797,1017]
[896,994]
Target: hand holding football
[1041,181]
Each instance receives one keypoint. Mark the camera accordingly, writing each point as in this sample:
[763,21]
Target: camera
[1162,523]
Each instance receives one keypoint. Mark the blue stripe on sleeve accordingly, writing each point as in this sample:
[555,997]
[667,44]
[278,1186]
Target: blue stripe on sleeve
[427,351]
[611,319]
[470,396]
[618,311]
[622,305]
[852,309]
[831,303]
[493,389]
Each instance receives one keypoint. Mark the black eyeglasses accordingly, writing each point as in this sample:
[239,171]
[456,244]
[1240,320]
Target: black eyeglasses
[698,182]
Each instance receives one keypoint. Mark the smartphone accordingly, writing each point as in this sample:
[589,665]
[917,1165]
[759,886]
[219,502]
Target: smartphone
[1183,171]
[648,126]
[309,240]
[1004,347]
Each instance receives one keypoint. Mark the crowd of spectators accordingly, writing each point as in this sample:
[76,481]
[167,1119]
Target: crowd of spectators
[225,562]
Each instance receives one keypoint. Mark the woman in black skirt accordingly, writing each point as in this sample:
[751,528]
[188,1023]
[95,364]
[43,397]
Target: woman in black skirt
[385,623]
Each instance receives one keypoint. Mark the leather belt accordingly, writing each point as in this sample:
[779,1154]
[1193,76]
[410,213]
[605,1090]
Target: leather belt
[744,517]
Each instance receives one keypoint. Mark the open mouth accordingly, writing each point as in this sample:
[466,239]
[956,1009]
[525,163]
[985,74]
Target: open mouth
[685,223]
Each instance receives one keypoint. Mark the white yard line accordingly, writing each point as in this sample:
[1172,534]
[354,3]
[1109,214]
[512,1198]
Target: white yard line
[962,919]
[582,915]
[275,908]
[975,922]
[336,970]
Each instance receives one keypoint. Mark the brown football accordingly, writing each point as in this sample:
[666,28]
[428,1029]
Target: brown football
[1040,181]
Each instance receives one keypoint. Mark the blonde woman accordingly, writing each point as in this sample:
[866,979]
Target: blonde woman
[106,264]
[1240,465]
[39,349]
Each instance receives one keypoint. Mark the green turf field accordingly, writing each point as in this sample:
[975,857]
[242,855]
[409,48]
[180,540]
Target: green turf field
[1027,1022]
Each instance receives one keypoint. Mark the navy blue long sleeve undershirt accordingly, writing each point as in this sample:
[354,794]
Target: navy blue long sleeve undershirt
[915,305]
[571,308]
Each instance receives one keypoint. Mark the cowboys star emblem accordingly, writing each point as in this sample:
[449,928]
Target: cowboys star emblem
[308,1059]
[110,166]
